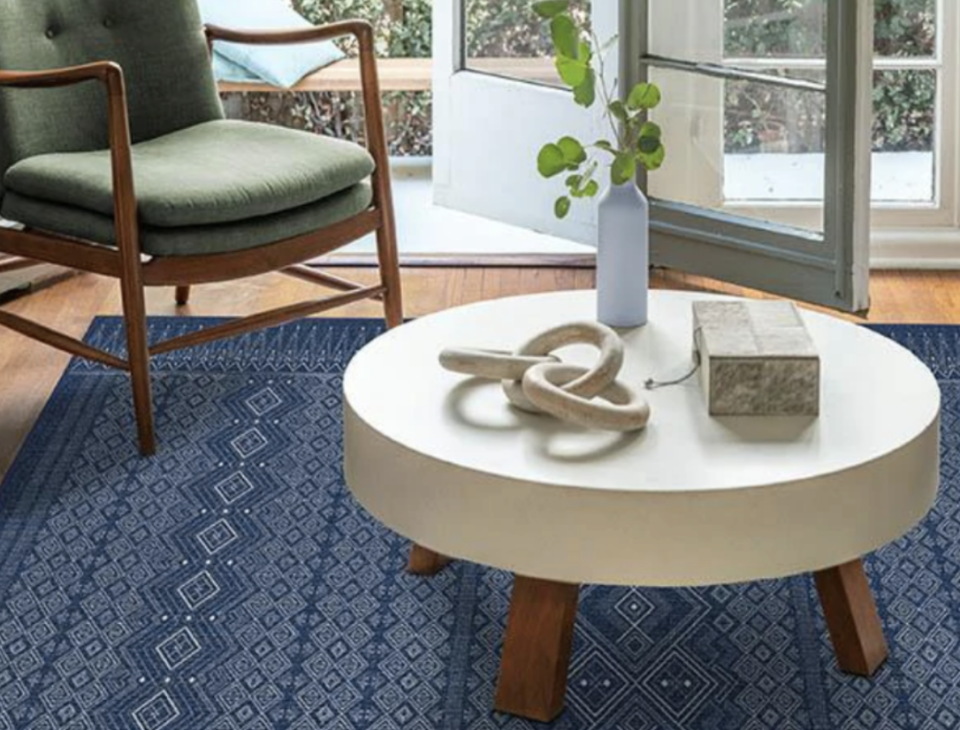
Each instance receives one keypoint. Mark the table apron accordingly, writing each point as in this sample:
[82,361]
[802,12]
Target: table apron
[582,535]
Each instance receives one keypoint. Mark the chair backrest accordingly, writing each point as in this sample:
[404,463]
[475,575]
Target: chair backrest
[159,44]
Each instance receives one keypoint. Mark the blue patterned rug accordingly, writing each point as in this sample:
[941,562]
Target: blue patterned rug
[231,583]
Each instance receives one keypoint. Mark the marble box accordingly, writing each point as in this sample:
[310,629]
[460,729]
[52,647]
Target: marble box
[756,359]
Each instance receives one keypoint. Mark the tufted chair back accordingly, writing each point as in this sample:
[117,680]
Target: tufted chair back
[159,43]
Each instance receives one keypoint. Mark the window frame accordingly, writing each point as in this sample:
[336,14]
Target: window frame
[943,209]
[890,220]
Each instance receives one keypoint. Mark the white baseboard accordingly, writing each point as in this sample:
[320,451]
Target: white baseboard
[916,249]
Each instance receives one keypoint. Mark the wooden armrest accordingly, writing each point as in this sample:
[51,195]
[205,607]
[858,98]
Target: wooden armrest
[361,29]
[106,72]
[118,131]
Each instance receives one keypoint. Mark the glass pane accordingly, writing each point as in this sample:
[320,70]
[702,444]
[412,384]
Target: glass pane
[797,28]
[773,137]
[904,136]
[775,28]
[774,144]
[774,141]
[506,38]
[906,27]
[740,146]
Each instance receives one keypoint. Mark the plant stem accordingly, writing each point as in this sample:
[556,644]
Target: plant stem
[618,131]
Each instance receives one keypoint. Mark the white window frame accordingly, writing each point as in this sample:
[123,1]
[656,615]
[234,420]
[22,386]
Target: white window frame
[929,236]
[903,233]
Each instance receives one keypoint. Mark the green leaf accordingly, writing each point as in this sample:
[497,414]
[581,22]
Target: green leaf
[585,52]
[623,169]
[566,37]
[573,153]
[602,144]
[550,8]
[583,185]
[651,129]
[573,72]
[653,160]
[648,145]
[585,93]
[650,138]
[589,190]
[618,110]
[550,161]
[562,207]
[644,96]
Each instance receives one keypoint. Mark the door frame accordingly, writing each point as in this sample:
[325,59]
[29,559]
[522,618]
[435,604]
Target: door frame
[524,117]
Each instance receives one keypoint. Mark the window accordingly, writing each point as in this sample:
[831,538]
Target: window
[773,146]
[766,141]
[506,38]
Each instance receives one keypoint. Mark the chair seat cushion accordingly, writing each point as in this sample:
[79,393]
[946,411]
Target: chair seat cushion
[218,172]
[80,223]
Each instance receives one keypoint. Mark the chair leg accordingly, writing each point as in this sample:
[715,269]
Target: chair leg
[183,296]
[390,272]
[138,356]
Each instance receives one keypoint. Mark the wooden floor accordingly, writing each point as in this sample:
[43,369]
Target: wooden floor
[29,371]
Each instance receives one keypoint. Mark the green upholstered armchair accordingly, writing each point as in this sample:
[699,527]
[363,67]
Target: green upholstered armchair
[116,158]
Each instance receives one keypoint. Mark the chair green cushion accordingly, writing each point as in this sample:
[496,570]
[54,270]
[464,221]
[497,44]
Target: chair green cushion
[217,172]
[191,240]
[159,44]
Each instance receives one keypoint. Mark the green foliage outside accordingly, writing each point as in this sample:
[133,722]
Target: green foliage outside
[757,118]
[504,29]
[403,30]
[760,118]
[403,27]
[509,28]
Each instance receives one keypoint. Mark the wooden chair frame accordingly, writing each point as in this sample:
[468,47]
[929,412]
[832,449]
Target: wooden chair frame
[31,248]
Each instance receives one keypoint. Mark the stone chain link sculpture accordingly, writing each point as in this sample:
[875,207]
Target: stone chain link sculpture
[535,380]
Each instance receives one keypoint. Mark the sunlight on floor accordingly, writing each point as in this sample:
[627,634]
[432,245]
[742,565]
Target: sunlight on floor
[425,229]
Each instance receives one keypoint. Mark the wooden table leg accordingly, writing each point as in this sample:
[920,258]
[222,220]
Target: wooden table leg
[852,618]
[536,651]
[425,562]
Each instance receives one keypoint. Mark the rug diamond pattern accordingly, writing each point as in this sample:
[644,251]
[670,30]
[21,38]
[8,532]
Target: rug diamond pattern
[232,582]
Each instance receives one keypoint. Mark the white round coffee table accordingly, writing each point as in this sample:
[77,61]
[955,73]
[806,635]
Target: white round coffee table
[691,500]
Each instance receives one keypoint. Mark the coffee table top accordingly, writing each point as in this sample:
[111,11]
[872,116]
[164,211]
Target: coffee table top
[691,500]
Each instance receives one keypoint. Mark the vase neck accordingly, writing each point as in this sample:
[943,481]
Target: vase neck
[625,190]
